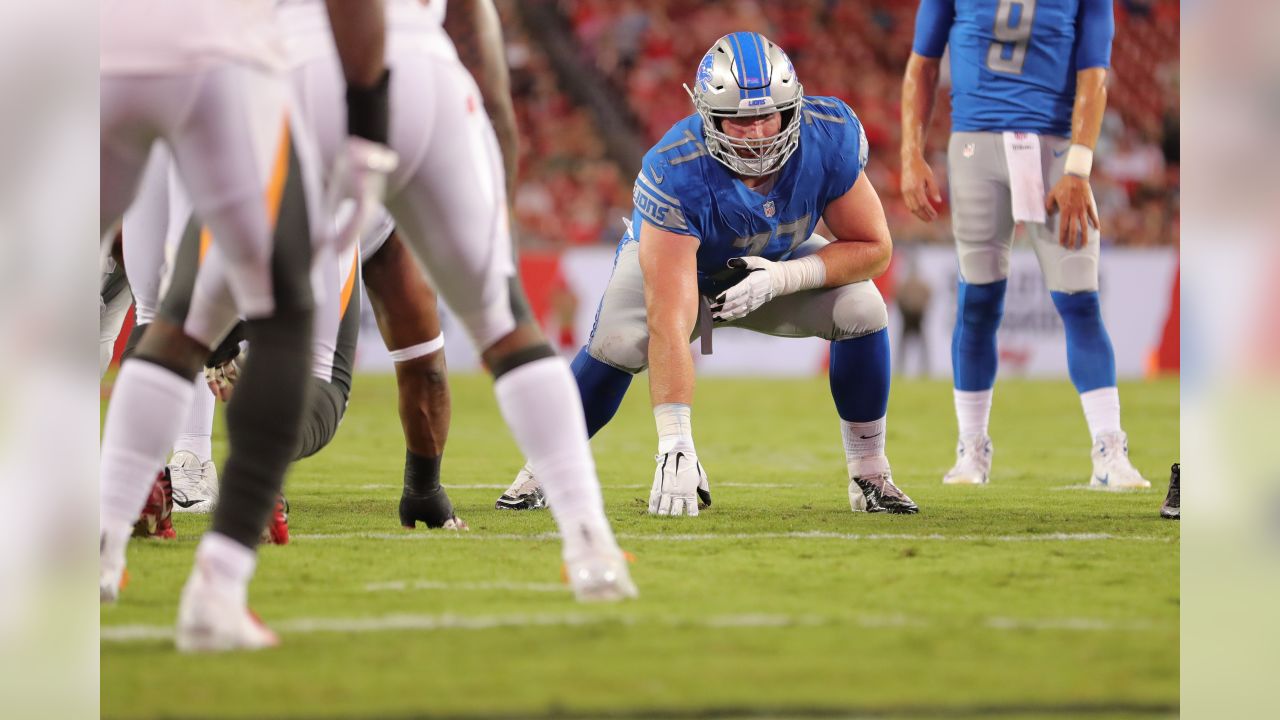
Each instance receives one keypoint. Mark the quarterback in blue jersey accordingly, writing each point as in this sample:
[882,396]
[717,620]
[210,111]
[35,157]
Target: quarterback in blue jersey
[722,235]
[1028,95]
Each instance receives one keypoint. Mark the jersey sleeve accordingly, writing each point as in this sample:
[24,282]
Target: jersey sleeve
[849,149]
[657,201]
[1095,29]
[933,25]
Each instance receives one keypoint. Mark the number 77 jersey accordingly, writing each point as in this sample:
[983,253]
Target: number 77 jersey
[683,189]
[1014,62]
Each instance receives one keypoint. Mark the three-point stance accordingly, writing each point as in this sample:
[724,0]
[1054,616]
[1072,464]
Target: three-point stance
[722,235]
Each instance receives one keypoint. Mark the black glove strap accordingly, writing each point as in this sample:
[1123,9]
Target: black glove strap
[368,110]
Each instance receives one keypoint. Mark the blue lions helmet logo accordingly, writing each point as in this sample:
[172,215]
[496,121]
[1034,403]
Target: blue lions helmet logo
[703,81]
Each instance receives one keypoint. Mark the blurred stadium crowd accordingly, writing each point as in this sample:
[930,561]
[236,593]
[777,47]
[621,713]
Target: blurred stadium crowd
[574,191]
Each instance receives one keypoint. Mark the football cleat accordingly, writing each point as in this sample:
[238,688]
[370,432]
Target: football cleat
[879,494]
[432,509]
[216,619]
[524,494]
[156,520]
[112,576]
[1111,467]
[600,577]
[195,484]
[1172,507]
[277,530]
[595,568]
[973,461]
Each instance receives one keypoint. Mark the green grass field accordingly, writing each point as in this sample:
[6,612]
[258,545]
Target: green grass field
[1027,598]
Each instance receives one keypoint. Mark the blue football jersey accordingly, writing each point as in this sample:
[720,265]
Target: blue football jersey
[1014,62]
[681,188]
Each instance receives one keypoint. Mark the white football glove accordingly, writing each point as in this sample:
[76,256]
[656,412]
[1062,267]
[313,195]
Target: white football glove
[756,289]
[360,178]
[678,483]
[222,378]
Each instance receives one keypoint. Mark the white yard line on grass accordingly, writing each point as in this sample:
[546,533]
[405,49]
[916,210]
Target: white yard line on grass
[711,537]
[401,585]
[449,621]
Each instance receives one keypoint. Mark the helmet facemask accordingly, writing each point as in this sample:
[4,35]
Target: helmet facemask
[720,93]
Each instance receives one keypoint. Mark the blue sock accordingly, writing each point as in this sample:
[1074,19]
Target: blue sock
[973,342]
[859,375]
[602,388]
[1090,359]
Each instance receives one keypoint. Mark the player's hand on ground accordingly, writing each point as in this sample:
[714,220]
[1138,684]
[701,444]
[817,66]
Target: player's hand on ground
[920,189]
[756,289]
[1073,199]
[359,182]
[222,377]
[678,482]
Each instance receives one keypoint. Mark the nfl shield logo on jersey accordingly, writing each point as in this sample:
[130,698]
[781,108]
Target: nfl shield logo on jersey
[969,149]
[768,208]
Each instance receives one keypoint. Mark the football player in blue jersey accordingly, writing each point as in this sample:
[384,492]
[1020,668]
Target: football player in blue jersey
[1028,94]
[722,235]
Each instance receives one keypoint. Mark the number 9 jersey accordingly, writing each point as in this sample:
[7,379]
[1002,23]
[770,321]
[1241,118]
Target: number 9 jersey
[1014,62]
[682,189]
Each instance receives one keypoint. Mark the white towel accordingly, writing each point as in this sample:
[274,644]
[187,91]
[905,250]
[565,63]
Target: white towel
[1026,177]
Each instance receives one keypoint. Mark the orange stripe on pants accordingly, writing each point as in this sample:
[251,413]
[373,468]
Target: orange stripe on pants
[275,188]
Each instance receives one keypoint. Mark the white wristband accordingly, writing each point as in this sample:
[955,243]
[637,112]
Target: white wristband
[806,273]
[1079,161]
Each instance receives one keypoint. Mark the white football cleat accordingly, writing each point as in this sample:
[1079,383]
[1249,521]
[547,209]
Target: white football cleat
[973,461]
[195,484]
[525,493]
[217,619]
[600,577]
[594,566]
[1111,467]
[111,572]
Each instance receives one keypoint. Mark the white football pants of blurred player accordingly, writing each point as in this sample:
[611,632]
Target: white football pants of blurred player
[225,124]
[449,202]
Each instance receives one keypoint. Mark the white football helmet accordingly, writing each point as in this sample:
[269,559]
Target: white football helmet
[743,75]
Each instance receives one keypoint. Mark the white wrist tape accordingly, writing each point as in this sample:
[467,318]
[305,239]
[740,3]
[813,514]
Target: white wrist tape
[1079,161]
[806,273]
[414,352]
[674,427]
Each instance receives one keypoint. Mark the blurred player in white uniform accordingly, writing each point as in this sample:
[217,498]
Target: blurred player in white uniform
[204,77]
[450,205]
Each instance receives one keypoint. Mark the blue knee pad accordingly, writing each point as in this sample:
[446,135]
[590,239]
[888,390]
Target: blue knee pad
[1090,358]
[859,376]
[974,358]
[602,388]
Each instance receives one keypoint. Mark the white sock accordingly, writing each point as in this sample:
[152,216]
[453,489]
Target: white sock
[1101,410]
[226,563]
[146,406]
[540,403]
[973,411]
[196,434]
[675,427]
[864,446]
